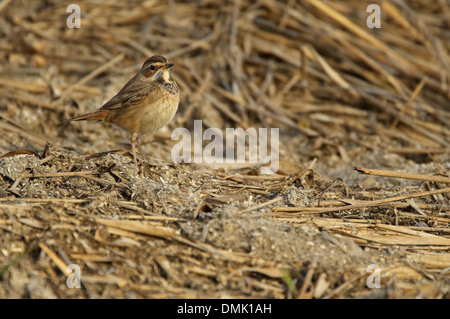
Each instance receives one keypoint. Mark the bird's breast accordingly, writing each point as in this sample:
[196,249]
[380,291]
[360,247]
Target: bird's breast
[158,113]
[171,87]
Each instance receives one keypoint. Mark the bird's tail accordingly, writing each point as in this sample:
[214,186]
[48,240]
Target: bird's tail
[95,116]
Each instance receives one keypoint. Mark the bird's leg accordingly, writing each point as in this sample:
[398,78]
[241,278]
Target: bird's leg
[140,149]
[133,147]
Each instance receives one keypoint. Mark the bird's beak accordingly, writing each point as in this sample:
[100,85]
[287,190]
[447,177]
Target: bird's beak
[168,65]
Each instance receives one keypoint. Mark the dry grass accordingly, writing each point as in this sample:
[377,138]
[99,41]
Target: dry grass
[343,96]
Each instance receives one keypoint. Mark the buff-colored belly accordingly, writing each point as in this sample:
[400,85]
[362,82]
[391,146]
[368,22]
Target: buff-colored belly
[158,114]
[148,117]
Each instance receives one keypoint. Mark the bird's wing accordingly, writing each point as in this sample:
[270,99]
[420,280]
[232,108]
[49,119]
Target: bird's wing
[131,94]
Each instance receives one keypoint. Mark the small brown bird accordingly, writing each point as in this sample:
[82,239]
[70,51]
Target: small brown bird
[145,104]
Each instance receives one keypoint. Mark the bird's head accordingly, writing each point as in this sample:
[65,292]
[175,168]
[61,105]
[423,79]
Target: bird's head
[157,67]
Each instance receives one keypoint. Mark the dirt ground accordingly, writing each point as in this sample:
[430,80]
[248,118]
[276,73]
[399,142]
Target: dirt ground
[341,94]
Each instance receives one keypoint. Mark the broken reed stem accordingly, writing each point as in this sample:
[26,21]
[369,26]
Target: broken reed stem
[92,74]
[308,278]
[386,173]
[53,256]
[365,205]
[7,125]
[412,150]
[62,174]
[4,4]
[344,21]
[344,202]
[256,207]
[147,214]
[139,227]
[85,174]
[30,87]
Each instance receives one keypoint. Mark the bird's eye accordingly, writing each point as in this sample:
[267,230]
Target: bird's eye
[152,67]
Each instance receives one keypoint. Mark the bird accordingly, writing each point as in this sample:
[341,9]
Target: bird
[145,104]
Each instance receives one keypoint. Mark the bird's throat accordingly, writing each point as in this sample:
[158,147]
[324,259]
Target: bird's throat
[163,76]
